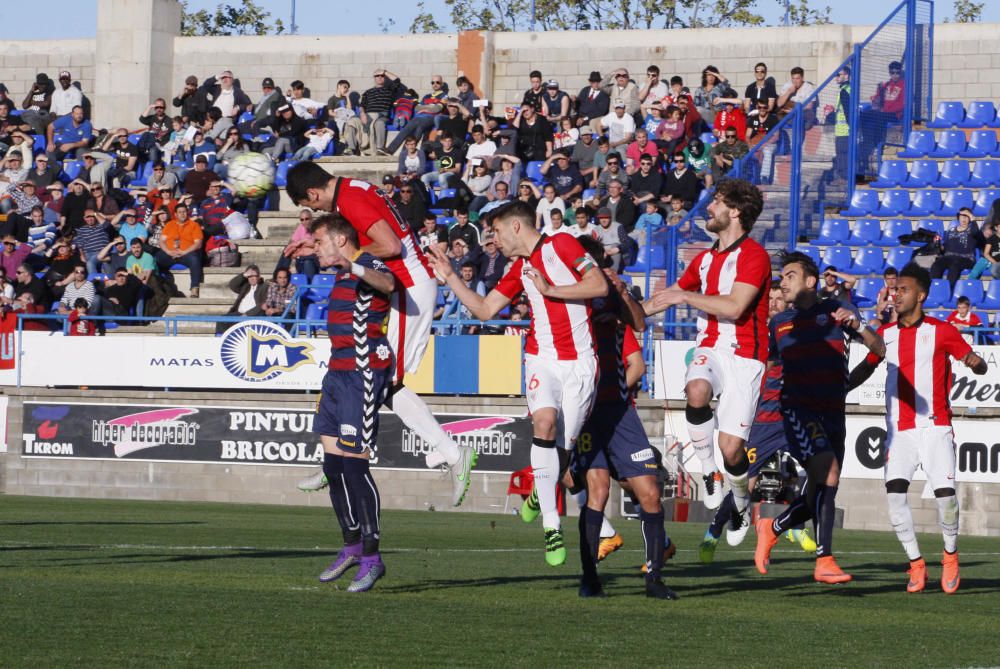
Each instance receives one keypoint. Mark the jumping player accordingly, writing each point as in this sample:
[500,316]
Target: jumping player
[728,285]
[810,341]
[613,442]
[918,382]
[384,234]
[560,279]
[355,385]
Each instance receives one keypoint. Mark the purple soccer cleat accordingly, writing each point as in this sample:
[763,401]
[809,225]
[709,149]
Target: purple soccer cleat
[371,570]
[348,557]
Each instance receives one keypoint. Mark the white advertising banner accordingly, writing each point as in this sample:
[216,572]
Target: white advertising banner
[4,405]
[977,443]
[251,354]
[670,362]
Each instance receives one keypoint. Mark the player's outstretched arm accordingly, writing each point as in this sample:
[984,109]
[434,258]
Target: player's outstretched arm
[631,311]
[850,320]
[861,373]
[483,308]
[975,363]
[730,306]
[380,279]
[592,284]
[385,243]
[661,301]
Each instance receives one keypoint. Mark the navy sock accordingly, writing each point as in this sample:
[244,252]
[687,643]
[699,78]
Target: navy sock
[350,527]
[655,535]
[798,512]
[824,509]
[722,516]
[590,541]
[366,501]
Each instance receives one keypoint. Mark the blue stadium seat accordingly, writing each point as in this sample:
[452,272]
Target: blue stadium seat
[940,293]
[589,194]
[814,253]
[948,115]
[940,314]
[954,173]
[918,144]
[657,259]
[839,257]
[320,287]
[985,173]
[957,199]
[898,256]
[926,202]
[893,229]
[984,200]
[245,117]
[833,231]
[533,171]
[144,174]
[72,168]
[933,224]
[922,174]
[863,202]
[281,174]
[982,144]
[894,202]
[891,173]
[950,143]
[299,280]
[992,298]
[866,231]
[708,138]
[446,192]
[980,114]
[866,291]
[970,288]
[869,260]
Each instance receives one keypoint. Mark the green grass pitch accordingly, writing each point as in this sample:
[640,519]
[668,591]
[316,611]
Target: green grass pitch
[87,583]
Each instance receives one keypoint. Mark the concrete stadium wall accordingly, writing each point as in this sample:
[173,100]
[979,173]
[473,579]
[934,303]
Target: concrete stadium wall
[862,500]
[21,60]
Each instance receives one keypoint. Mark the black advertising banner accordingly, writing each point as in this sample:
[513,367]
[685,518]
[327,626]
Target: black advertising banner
[249,436]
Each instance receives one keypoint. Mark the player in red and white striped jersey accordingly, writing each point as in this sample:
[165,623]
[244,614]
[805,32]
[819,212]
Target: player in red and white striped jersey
[384,233]
[560,365]
[919,349]
[728,284]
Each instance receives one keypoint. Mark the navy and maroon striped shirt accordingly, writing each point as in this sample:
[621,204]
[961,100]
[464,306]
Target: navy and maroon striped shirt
[356,320]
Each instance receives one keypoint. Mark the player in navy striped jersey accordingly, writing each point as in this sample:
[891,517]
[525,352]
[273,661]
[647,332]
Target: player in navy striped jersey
[355,386]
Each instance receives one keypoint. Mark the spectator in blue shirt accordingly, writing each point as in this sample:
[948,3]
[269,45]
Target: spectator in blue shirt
[69,133]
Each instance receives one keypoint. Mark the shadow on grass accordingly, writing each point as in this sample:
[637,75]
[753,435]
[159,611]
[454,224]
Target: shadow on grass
[100,522]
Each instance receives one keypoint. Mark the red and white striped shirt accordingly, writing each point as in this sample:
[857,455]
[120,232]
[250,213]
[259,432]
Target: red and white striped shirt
[560,329]
[713,272]
[918,378]
[363,205]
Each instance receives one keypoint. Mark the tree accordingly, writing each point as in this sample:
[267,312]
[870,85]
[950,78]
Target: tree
[802,15]
[967,11]
[424,21]
[245,19]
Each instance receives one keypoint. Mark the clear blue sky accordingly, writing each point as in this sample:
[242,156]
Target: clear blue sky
[77,18]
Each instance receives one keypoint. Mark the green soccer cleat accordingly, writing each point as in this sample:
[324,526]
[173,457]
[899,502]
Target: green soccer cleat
[314,482]
[706,550]
[530,509]
[555,547]
[802,538]
[461,473]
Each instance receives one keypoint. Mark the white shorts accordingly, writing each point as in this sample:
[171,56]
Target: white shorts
[735,381]
[566,386]
[410,316]
[930,448]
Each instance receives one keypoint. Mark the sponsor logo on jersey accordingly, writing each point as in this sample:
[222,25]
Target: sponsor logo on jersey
[644,454]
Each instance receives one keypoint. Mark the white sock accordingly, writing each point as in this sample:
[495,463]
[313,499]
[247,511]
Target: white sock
[740,487]
[948,519]
[607,530]
[417,416]
[545,465]
[902,522]
[701,439]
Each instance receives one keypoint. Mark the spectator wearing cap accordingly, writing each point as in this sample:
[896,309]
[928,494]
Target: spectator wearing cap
[620,127]
[618,86]
[37,104]
[226,94]
[121,294]
[14,254]
[592,104]
[290,131]
[65,96]
[534,135]
[69,133]
[43,175]
[612,237]
[197,181]
[564,176]
[960,243]
[161,180]
[555,103]
[430,107]
[619,203]
[180,243]
[192,101]
[5,100]
[533,96]
[583,154]
[727,152]
[492,263]
[91,239]
[376,107]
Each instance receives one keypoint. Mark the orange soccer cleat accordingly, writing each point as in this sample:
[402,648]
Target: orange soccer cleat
[766,539]
[949,575]
[608,546]
[918,575]
[827,571]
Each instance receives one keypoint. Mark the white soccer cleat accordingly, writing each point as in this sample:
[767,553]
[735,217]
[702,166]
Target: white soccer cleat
[739,525]
[314,482]
[461,473]
[713,490]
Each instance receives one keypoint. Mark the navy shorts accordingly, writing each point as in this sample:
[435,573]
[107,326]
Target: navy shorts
[810,433]
[348,407]
[613,438]
[764,441]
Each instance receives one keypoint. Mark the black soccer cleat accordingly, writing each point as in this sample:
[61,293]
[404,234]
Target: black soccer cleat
[591,589]
[659,590]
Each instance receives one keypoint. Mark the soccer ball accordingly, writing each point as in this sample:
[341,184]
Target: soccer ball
[251,174]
